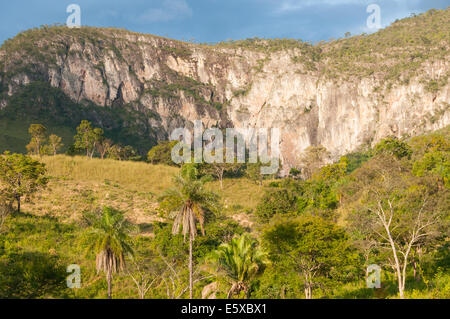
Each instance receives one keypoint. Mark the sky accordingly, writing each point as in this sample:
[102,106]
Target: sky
[215,20]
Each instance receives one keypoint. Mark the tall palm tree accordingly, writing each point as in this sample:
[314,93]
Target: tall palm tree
[189,199]
[239,261]
[111,241]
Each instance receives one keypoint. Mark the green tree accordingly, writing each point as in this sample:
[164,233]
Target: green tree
[279,201]
[239,261]
[20,175]
[395,210]
[162,153]
[435,163]
[88,137]
[115,152]
[394,147]
[253,172]
[110,241]
[130,154]
[5,209]
[38,134]
[54,143]
[32,275]
[318,250]
[189,199]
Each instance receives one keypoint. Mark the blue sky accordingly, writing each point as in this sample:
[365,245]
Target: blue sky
[214,20]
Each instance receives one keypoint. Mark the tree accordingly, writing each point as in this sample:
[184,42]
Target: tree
[162,153]
[55,144]
[125,153]
[393,147]
[396,209]
[218,170]
[38,134]
[145,271]
[253,172]
[190,200]
[104,145]
[20,175]
[5,209]
[239,261]
[111,241]
[313,158]
[279,201]
[87,137]
[318,250]
[130,154]
[115,152]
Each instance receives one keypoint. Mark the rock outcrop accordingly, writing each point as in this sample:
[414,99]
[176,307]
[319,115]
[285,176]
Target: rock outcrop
[293,86]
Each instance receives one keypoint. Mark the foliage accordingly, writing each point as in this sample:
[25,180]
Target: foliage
[319,251]
[87,137]
[38,134]
[280,201]
[54,143]
[20,175]
[239,261]
[162,153]
[190,200]
[110,241]
[31,275]
[396,210]
[394,147]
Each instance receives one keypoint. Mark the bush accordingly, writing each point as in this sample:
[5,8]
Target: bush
[162,153]
[275,202]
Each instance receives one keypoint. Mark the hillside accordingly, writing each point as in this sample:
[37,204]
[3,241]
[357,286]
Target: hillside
[343,94]
[79,184]
[53,229]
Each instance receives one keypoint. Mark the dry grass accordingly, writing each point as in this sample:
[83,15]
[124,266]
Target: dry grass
[79,184]
[137,176]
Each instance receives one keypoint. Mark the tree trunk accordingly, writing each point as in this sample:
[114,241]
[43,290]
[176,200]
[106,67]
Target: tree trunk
[191,285]
[108,278]
[18,203]
[308,292]
[397,268]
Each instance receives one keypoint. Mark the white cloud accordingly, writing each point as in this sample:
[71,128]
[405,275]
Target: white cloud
[286,6]
[167,11]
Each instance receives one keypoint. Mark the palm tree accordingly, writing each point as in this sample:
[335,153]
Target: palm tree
[111,241]
[189,199]
[239,261]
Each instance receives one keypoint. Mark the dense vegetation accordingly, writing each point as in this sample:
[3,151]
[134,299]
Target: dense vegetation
[137,234]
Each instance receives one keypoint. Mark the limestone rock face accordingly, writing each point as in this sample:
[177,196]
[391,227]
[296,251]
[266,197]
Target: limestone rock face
[175,83]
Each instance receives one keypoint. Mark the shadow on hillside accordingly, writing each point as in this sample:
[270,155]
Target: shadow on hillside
[31,275]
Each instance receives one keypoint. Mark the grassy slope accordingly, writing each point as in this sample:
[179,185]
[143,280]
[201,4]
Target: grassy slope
[50,225]
[79,184]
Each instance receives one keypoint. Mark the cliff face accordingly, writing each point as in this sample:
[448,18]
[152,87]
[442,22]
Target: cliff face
[315,95]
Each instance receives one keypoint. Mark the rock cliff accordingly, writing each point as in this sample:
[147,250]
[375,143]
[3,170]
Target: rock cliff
[342,94]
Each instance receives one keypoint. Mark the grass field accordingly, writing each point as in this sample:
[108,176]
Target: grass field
[79,184]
